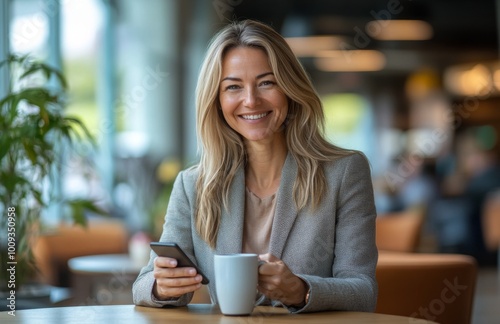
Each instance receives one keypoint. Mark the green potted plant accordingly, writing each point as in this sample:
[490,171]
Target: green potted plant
[33,129]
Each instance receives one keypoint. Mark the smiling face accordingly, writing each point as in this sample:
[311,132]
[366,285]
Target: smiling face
[252,103]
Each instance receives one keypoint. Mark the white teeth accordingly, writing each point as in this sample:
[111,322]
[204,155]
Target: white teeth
[253,117]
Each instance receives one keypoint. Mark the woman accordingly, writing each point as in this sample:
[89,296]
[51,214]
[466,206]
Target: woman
[269,183]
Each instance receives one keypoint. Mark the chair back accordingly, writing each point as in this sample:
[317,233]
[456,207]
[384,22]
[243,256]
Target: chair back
[399,231]
[491,221]
[434,287]
[52,251]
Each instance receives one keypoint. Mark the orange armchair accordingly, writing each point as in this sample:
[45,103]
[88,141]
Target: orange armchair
[52,251]
[399,231]
[435,287]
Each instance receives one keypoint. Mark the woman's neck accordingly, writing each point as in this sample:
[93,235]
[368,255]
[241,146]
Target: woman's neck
[264,165]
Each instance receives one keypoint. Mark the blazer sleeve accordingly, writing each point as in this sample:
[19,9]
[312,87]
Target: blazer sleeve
[176,228]
[353,285]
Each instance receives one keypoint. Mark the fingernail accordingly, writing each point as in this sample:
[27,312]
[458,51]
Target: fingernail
[173,262]
[198,278]
[192,271]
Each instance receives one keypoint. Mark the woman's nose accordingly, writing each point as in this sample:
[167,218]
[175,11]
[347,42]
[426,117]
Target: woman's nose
[251,97]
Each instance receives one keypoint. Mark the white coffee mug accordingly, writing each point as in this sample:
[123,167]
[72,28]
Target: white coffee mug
[236,282]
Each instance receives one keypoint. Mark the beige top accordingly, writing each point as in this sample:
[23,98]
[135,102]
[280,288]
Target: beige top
[259,215]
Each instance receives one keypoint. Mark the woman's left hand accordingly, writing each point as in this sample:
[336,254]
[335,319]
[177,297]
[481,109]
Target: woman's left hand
[277,282]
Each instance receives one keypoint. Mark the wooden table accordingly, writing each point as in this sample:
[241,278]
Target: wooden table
[193,313]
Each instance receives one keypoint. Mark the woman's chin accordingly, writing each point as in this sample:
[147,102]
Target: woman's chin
[261,137]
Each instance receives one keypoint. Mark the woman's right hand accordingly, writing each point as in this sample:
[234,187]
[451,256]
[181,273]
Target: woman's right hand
[171,281]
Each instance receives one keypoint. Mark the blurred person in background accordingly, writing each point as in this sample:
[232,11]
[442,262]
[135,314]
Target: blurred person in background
[474,175]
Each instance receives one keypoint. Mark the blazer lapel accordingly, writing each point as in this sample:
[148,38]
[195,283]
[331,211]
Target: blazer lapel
[286,212]
[230,236]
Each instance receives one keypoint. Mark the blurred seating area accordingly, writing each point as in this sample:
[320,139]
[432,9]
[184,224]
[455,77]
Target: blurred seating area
[431,287]
[53,250]
[400,231]
[491,221]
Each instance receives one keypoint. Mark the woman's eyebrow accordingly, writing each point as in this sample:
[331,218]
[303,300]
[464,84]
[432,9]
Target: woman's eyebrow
[231,79]
[260,76]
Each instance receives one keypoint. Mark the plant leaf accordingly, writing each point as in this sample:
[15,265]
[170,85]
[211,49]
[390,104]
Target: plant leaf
[80,206]
[30,152]
[48,72]
[9,103]
[82,126]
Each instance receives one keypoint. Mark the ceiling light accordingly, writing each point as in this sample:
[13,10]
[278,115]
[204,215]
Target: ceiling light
[468,80]
[353,60]
[496,79]
[399,30]
[310,46]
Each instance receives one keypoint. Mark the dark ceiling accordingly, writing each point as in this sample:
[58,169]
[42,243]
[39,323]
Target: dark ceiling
[464,30]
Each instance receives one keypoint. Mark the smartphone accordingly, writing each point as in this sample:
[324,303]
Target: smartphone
[172,250]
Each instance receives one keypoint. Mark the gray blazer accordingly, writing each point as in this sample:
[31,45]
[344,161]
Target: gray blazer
[332,249]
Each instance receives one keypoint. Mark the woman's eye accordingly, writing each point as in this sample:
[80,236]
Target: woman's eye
[232,87]
[267,83]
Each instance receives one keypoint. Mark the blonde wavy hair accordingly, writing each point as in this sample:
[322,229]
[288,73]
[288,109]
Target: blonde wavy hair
[222,149]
